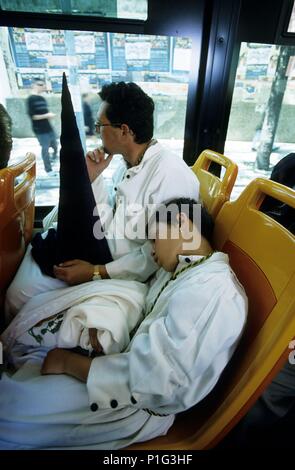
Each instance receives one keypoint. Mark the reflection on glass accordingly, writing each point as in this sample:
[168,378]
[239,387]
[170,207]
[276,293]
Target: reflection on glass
[136,9]
[291,27]
[38,57]
[262,118]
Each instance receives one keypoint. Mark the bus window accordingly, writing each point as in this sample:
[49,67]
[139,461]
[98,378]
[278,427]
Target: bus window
[262,119]
[159,64]
[136,9]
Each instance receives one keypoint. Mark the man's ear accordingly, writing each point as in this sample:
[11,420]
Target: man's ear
[126,130]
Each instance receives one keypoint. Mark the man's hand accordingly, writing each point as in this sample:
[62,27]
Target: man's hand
[55,362]
[74,272]
[97,163]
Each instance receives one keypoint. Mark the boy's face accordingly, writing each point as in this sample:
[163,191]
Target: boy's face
[166,245]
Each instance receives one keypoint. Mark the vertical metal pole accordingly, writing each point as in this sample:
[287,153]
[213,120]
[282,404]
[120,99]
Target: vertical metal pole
[73,74]
[74,85]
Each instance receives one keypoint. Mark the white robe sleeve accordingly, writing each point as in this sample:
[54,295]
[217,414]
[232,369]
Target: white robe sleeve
[100,191]
[137,265]
[176,184]
[50,220]
[177,362]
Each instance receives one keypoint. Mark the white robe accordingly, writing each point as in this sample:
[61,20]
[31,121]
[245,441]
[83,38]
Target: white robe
[173,361]
[161,176]
[114,307]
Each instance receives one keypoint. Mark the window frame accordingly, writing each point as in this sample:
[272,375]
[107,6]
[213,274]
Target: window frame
[283,35]
[65,14]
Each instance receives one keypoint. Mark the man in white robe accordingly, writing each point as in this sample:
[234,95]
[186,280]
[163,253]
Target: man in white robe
[153,175]
[194,319]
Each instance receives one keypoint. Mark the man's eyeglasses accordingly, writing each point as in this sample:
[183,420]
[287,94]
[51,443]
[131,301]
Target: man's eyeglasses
[98,125]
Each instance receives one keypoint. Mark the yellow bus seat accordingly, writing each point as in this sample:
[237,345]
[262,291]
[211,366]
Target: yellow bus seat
[262,253]
[17,207]
[214,191]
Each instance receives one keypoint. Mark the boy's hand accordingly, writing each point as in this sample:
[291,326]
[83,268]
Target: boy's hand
[55,362]
[62,361]
[97,347]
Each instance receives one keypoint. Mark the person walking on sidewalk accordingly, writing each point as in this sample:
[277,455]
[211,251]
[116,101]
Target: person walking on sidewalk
[40,117]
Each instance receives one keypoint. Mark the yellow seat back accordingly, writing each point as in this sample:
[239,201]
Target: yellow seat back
[262,253]
[214,192]
[17,206]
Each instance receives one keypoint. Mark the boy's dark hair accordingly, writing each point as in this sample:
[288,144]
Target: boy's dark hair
[168,211]
[5,137]
[129,104]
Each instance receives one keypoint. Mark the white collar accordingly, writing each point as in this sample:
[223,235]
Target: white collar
[185,260]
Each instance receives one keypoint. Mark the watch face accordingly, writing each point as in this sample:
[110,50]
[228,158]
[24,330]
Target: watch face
[96,277]
[96,274]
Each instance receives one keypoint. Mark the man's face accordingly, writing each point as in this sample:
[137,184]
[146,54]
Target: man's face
[110,135]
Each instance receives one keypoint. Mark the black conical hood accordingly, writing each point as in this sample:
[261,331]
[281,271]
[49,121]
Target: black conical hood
[74,237]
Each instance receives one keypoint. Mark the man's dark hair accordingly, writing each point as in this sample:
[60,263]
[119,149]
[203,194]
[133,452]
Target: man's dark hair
[129,104]
[168,211]
[5,137]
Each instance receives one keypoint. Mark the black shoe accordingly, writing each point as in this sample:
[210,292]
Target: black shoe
[52,173]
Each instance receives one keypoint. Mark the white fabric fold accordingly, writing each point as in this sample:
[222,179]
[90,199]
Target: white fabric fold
[112,306]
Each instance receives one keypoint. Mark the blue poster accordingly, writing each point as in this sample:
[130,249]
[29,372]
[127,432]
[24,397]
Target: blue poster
[160,51]
[118,51]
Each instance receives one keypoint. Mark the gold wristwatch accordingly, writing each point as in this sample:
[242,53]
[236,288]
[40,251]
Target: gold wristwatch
[96,273]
